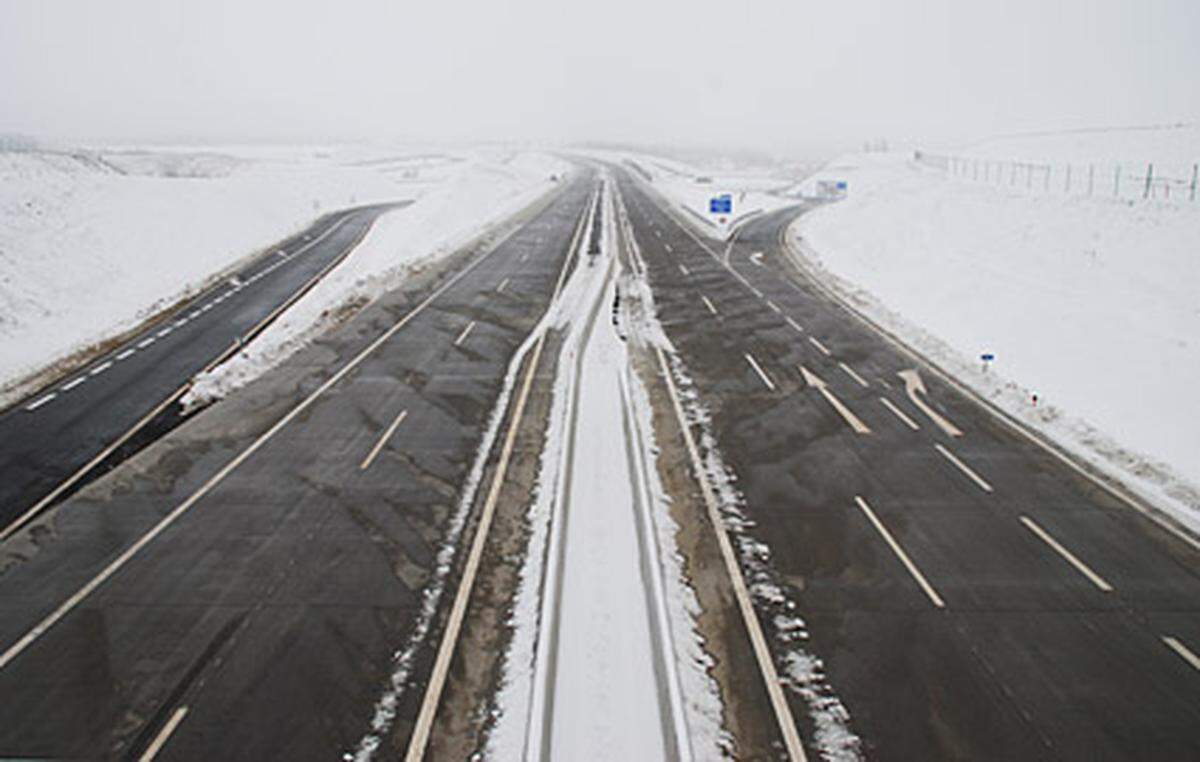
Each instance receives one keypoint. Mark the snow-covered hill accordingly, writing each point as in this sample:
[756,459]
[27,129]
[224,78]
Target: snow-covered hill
[92,242]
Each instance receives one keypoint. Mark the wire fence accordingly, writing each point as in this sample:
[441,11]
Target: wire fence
[1113,180]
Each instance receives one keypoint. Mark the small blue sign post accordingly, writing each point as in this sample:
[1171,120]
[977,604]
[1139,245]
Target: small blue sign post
[722,204]
[987,358]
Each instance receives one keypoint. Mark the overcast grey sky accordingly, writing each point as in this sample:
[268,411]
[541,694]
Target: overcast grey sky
[779,76]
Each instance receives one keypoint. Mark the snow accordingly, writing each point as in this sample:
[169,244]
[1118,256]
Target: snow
[1089,302]
[689,185]
[480,194]
[630,670]
[94,241]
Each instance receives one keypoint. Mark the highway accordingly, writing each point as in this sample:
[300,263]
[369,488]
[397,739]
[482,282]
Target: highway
[57,438]
[969,594]
[257,583]
[324,564]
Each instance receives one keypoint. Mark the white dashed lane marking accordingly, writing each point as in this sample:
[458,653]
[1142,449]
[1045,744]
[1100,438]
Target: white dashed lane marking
[38,403]
[1184,652]
[904,559]
[708,304]
[850,372]
[899,413]
[72,384]
[145,342]
[100,368]
[983,485]
[819,346]
[126,354]
[1070,557]
[761,373]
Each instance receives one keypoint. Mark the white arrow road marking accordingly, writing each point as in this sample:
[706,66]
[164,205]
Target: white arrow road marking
[815,381]
[916,389]
[708,304]
[1183,651]
[1083,569]
[899,551]
[387,434]
[983,485]
[761,374]
[899,413]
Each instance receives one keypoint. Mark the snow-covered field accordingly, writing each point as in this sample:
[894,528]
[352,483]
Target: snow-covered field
[94,241]
[1090,302]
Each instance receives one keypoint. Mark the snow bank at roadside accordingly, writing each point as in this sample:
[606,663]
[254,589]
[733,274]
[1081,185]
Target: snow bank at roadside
[93,242]
[482,193]
[1088,302]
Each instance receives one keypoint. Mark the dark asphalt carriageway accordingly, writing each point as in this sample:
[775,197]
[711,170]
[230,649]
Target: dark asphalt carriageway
[49,436]
[1026,657]
[264,621]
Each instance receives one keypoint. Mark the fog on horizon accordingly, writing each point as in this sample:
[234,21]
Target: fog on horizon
[782,77]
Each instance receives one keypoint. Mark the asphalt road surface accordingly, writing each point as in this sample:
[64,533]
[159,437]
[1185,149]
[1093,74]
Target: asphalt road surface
[971,596]
[50,435]
[240,588]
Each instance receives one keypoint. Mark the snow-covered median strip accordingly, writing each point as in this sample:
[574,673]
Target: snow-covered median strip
[400,242]
[1089,303]
[604,645]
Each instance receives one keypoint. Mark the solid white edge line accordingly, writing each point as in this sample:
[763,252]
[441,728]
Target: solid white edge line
[117,563]
[899,551]
[758,369]
[1185,652]
[766,666]
[387,434]
[465,332]
[899,413]
[1071,558]
[983,485]
[164,735]
[708,304]
[820,346]
[850,372]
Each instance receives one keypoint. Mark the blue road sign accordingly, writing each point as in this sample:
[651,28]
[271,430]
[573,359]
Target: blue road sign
[988,357]
[721,204]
